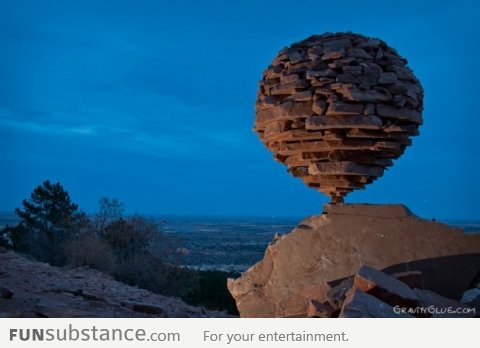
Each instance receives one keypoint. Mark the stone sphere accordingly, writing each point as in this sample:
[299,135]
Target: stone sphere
[336,109]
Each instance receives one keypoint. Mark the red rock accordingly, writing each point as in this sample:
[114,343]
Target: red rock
[341,108]
[362,305]
[341,74]
[288,88]
[334,55]
[343,122]
[343,168]
[320,73]
[370,96]
[319,107]
[386,288]
[289,78]
[320,310]
[302,96]
[403,114]
[336,244]
[338,293]
[387,78]
[358,53]
[353,70]
[403,73]
[287,110]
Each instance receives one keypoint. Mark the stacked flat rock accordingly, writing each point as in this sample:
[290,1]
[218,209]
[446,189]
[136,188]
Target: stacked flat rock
[337,109]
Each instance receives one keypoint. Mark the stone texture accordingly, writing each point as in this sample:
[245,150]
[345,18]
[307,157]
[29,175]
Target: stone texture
[334,245]
[338,293]
[384,287]
[362,305]
[334,87]
[375,294]
[41,290]
[320,310]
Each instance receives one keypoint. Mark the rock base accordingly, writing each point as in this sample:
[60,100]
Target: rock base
[302,265]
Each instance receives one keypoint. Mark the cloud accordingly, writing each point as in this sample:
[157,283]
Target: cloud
[171,141]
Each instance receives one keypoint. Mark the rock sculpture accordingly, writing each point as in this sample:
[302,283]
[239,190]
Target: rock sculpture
[337,109]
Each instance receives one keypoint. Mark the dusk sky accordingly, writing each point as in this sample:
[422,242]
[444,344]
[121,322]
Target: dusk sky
[152,102]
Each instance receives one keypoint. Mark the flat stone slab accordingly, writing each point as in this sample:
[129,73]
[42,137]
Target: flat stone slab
[297,267]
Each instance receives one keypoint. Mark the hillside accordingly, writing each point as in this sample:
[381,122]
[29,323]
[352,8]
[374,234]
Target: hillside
[35,289]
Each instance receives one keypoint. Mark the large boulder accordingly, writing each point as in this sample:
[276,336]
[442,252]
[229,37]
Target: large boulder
[299,266]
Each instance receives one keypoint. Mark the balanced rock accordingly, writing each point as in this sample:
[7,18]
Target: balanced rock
[321,249]
[336,109]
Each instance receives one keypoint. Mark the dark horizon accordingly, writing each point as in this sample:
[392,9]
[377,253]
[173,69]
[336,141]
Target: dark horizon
[451,222]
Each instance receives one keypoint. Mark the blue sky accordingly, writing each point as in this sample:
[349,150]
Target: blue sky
[151,102]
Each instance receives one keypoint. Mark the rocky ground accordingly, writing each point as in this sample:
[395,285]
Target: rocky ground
[35,289]
[375,294]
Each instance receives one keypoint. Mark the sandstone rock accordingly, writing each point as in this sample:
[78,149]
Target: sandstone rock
[342,122]
[358,53]
[387,78]
[353,70]
[399,113]
[335,76]
[385,288]
[320,73]
[343,168]
[320,310]
[340,108]
[338,293]
[284,111]
[302,96]
[289,78]
[362,305]
[319,107]
[322,249]
[334,55]
[369,96]
[403,73]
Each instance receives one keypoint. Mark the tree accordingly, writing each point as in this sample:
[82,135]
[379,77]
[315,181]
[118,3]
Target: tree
[131,238]
[48,218]
[110,210]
